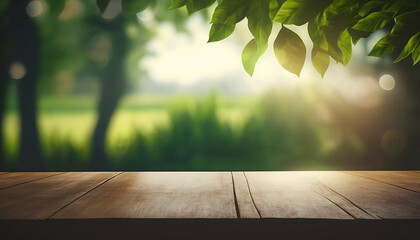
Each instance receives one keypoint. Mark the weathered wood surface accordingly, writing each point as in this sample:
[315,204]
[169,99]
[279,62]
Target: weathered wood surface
[290,195]
[404,179]
[42,198]
[158,195]
[16,178]
[227,195]
[246,205]
[376,198]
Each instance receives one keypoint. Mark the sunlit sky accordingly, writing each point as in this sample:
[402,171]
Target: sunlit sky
[187,59]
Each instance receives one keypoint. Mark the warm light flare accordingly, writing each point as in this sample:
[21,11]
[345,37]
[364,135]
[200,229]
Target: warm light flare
[387,82]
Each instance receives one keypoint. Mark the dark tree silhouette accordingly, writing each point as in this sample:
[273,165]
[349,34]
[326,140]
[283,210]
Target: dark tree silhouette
[113,81]
[20,41]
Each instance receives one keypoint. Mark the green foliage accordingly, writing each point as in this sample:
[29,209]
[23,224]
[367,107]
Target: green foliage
[250,56]
[290,51]
[416,55]
[333,26]
[220,31]
[177,4]
[56,7]
[320,60]
[383,47]
[196,5]
[412,44]
[344,43]
[374,21]
[135,6]
[230,12]
[259,24]
[299,12]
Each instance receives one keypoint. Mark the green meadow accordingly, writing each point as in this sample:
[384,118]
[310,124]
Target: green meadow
[70,120]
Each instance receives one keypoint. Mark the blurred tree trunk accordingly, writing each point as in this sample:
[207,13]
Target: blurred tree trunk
[4,76]
[409,76]
[22,43]
[112,88]
[4,79]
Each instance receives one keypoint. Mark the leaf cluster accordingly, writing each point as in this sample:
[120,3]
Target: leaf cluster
[334,26]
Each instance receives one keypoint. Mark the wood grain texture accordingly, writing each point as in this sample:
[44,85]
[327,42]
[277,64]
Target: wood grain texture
[158,195]
[245,202]
[405,179]
[378,199]
[16,178]
[290,195]
[40,199]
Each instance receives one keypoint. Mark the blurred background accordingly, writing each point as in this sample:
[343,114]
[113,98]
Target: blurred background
[81,90]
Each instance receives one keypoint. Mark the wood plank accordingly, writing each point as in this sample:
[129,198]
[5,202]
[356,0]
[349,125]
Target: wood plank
[16,178]
[290,195]
[376,198]
[342,202]
[405,179]
[40,199]
[245,202]
[158,195]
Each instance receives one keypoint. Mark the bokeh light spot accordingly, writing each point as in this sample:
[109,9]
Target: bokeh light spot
[64,83]
[99,49]
[145,15]
[17,70]
[387,82]
[72,9]
[35,8]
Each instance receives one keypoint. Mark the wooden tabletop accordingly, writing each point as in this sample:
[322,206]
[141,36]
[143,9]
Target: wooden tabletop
[210,195]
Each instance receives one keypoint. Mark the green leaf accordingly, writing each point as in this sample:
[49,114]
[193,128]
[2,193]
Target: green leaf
[332,34]
[344,43]
[299,12]
[406,24]
[316,34]
[102,5]
[177,4]
[356,35]
[290,51]
[383,47]
[220,31]
[230,11]
[374,21]
[259,23]
[134,6]
[320,60]
[56,7]
[250,56]
[416,55]
[369,6]
[410,47]
[196,5]
[274,7]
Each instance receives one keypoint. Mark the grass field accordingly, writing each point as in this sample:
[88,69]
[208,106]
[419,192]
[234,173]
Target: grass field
[73,118]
